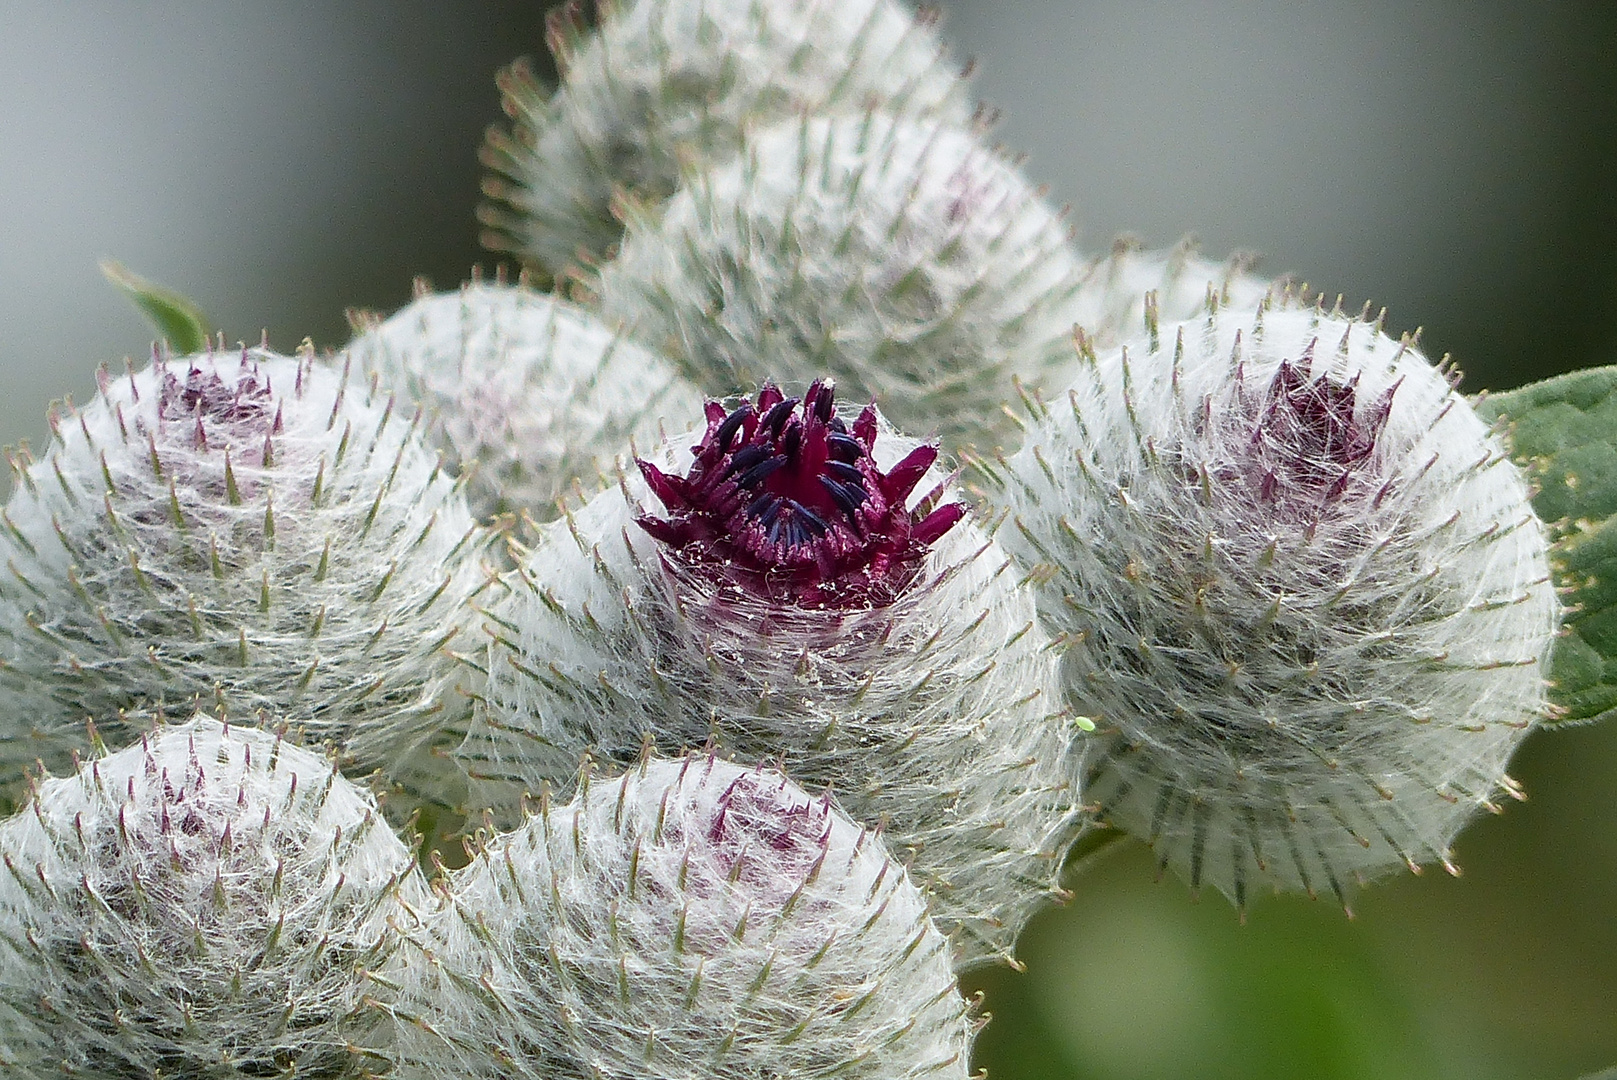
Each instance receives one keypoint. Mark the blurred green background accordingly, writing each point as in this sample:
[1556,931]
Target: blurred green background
[1454,160]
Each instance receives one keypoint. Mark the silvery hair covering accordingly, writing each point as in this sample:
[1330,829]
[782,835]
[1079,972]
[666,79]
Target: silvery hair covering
[908,260]
[240,531]
[1300,585]
[202,903]
[688,918]
[660,84]
[802,602]
[531,395]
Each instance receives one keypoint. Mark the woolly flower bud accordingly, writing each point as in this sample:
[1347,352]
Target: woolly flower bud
[199,904]
[797,602]
[692,918]
[910,261]
[1302,584]
[532,394]
[246,531]
[1110,304]
[662,82]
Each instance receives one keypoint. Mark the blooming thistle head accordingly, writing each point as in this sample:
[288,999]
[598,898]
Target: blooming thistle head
[691,917]
[240,531]
[1298,583]
[203,903]
[785,500]
[792,600]
[659,83]
[529,394]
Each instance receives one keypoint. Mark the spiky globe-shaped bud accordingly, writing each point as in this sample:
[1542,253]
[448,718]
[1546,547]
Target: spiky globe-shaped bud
[660,83]
[528,392]
[692,918]
[783,592]
[242,531]
[1299,582]
[1179,283]
[909,261]
[203,903]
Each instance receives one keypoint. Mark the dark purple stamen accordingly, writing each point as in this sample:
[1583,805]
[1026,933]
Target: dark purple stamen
[843,471]
[746,459]
[843,447]
[727,430]
[758,472]
[786,502]
[777,415]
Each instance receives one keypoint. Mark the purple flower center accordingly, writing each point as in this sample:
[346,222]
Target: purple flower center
[1309,438]
[785,500]
[766,833]
[239,414]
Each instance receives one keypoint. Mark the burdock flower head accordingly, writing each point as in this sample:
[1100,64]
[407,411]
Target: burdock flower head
[692,917]
[657,84]
[528,394]
[911,261]
[1298,583]
[203,903]
[784,499]
[239,531]
[785,590]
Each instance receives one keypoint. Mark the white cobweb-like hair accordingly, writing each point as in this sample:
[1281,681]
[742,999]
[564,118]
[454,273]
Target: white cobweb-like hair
[937,715]
[1300,585]
[660,83]
[531,394]
[1182,284]
[908,260]
[240,531]
[203,903]
[688,918]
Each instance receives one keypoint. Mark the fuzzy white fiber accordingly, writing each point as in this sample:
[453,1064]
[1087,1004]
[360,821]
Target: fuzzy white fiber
[691,918]
[938,715]
[200,904]
[530,393]
[234,532]
[909,261]
[661,83]
[1110,304]
[1312,671]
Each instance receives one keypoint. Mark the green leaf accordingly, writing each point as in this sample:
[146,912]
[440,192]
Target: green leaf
[178,321]
[1563,431]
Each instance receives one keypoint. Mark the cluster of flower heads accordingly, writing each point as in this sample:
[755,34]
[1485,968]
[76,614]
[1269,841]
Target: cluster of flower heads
[799,602]
[1244,578]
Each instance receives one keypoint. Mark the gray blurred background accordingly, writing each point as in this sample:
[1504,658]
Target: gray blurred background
[1452,160]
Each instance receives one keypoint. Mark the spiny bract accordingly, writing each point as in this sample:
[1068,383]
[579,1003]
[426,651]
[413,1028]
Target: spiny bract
[1300,582]
[201,904]
[923,694]
[1178,282]
[907,260]
[241,531]
[530,393]
[691,918]
[662,82]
